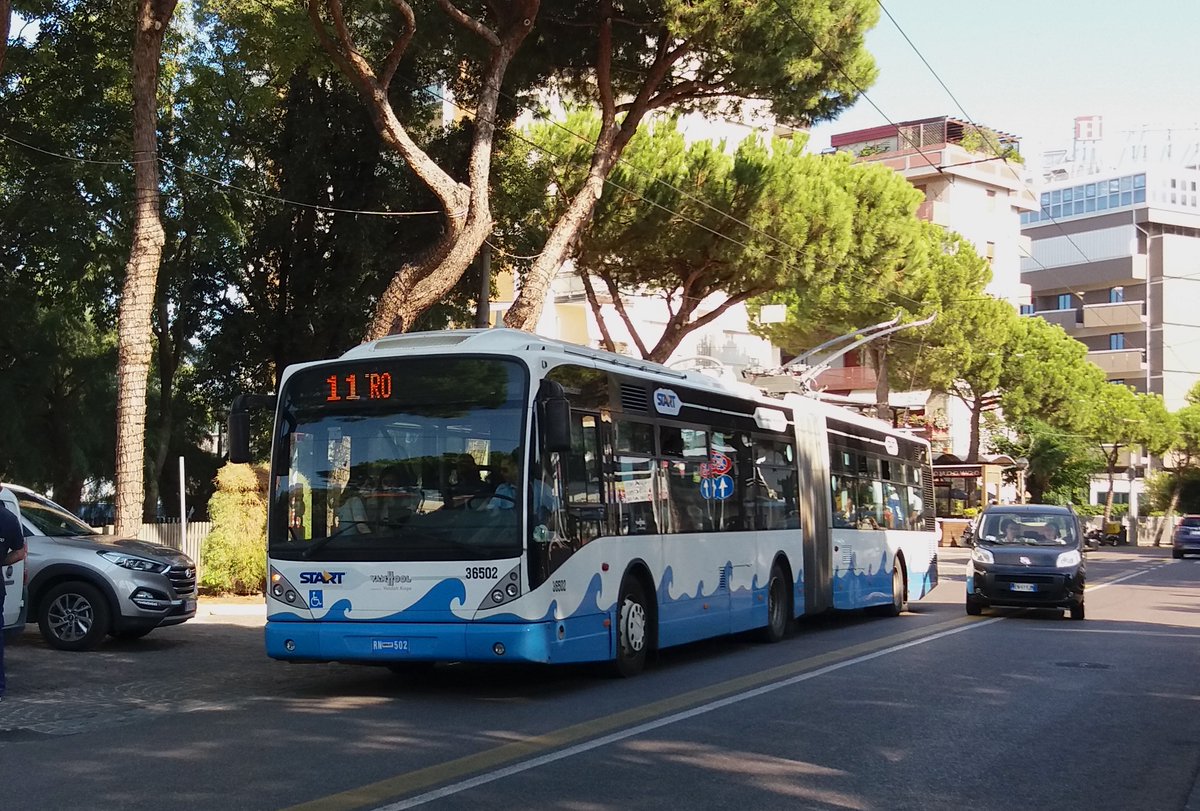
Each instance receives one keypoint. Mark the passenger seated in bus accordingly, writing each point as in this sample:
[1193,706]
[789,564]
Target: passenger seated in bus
[466,482]
[399,496]
[352,509]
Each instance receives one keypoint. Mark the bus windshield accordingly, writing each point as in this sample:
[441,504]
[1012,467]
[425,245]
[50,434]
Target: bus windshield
[399,459]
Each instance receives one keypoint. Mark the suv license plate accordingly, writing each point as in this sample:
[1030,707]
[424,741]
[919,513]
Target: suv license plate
[1023,586]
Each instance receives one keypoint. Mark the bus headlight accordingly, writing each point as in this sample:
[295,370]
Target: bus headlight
[506,589]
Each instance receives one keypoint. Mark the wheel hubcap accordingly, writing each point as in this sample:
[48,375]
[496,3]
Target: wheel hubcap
[70,617]
[633,626]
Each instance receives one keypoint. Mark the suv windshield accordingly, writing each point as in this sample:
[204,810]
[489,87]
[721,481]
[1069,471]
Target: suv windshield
[49,519]
[1192,521]
[399,459]
[1049,529]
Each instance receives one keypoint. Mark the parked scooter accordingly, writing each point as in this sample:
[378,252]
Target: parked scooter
[1099,537]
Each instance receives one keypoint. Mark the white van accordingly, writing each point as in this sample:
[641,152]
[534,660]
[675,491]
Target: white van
[14,576]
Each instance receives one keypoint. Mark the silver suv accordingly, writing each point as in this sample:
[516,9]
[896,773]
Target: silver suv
[84,585]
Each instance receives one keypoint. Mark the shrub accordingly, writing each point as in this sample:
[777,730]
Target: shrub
[233,557]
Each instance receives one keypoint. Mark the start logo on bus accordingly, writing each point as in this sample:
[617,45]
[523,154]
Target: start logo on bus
[667,402]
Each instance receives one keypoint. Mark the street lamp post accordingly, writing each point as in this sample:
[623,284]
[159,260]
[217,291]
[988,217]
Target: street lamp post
[1149,332]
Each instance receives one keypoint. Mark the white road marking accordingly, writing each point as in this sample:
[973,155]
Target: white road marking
[509,771]
[571,751]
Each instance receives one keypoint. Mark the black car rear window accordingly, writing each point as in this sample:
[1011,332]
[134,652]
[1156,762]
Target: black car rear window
[1190,521]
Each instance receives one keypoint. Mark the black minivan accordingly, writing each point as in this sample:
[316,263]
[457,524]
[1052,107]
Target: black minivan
[1028,556]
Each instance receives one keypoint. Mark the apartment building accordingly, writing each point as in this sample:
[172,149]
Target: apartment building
[968,188]
[1115,260]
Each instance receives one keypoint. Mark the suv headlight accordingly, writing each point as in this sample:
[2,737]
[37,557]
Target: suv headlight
[1068,559]
[981,555]
[134,563]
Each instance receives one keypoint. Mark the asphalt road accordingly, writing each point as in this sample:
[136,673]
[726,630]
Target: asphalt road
[929,710]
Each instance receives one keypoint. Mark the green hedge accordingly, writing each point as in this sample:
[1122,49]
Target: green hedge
[234,555]
[1091,510]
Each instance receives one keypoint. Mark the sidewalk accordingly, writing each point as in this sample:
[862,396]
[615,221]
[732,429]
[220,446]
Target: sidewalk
[231,606]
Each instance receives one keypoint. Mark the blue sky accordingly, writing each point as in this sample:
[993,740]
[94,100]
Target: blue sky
[1028,67]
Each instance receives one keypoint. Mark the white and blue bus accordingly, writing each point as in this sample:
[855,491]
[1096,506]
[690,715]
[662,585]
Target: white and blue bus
[494,496]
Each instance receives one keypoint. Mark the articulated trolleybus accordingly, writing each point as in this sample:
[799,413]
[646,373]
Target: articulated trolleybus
[493,496]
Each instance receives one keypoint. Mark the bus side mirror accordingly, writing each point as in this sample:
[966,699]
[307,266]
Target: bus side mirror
[239,437]
[239,424]
[556,413]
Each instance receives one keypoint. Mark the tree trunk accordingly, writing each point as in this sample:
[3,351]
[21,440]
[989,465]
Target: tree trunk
[526,311]
[597,312]
[680,325]
[141,273]
[879,357]
[1166,522]
[976,437]
[5,19]
[1037,490]
[610,144]
[166,408]
[1111,468]
[421,284]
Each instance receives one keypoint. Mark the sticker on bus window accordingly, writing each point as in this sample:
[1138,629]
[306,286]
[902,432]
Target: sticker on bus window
[719,464]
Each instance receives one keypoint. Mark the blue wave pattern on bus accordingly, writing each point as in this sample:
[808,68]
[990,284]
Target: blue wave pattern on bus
[668,580]
[436,605]
[590,604]
[872,586]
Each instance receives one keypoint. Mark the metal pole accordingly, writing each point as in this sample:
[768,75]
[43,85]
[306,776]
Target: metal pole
[483,305]
[182,507]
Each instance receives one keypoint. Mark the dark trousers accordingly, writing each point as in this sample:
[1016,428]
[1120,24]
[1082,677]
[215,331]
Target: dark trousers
[1,644]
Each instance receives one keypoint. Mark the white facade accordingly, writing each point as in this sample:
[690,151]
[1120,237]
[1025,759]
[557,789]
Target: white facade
[971,192]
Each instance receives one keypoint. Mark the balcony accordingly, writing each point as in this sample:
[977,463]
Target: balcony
[1067,319]
[1119,363]
[1116,317]
[1091,276]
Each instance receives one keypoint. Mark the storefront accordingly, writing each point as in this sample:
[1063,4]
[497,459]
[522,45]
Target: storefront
[961,489]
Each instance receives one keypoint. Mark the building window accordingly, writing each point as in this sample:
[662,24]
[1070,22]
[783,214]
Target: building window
[1116,295]
[1116,340]
[991,252]
[1064,301]
[1026,309]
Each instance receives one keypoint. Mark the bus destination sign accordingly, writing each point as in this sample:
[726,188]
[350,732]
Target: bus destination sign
[358,386]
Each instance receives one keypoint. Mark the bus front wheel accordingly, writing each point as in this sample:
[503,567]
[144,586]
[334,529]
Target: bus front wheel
[633,629]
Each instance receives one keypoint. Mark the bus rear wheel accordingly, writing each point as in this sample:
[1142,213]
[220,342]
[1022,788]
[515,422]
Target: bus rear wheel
[633,629]
[896,606]
[777,606]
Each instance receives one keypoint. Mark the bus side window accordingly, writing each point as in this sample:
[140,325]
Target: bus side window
[585,507]
[635,496]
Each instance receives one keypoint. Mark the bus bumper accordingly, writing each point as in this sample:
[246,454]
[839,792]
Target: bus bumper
[578,639]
